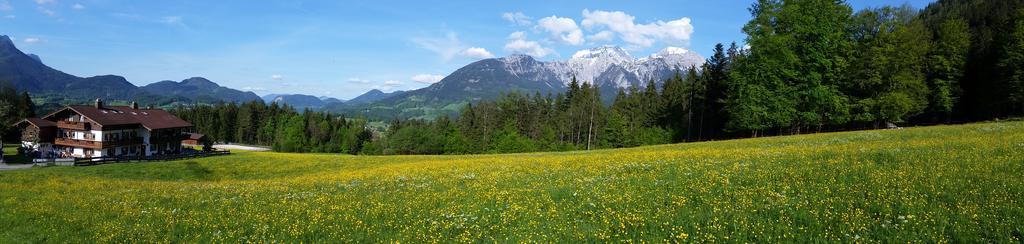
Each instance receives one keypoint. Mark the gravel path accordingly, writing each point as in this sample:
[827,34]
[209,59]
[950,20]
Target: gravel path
[240,147]
[4,166]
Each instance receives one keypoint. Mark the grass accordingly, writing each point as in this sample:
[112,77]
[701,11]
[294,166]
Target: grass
[11,155]
[960,183]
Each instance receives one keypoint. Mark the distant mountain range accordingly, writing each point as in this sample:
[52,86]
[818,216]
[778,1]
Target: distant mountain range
[373,96]
[300,101]
[610,68]
[28,73]
[200,89]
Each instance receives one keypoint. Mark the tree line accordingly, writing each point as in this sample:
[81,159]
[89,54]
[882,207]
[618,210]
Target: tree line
[281,127]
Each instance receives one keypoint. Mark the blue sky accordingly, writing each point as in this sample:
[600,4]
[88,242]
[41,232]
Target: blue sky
[344,48]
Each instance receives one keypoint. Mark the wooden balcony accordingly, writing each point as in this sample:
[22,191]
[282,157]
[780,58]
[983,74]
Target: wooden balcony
[96,144]
[72,125]
[78,143]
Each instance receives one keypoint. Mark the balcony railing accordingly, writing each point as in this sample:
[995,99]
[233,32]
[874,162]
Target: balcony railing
[71,125]
[78,143]
[97,144]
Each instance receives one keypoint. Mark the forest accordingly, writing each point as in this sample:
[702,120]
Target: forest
[807,66]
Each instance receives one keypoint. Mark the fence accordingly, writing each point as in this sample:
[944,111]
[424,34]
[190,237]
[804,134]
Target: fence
[125,159]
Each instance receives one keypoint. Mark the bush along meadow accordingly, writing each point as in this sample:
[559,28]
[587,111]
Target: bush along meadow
[929,184]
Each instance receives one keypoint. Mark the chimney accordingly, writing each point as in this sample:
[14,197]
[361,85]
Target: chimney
[135,105]
[99,103]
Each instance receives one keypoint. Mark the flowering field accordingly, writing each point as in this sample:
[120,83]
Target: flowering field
[932,184]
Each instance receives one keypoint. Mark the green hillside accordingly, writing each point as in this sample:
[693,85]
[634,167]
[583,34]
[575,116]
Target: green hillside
[931,184]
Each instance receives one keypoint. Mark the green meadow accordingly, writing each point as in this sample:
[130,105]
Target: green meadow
[961,183]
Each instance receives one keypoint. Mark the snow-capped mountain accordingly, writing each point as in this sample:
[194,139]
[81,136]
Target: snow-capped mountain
[609,68]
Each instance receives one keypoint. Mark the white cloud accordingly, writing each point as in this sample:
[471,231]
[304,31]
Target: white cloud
[358,81]
[44,1]
[476,53]
[446,47]
[249,88]
[47,11]
[426,78]
[276,77]
[5,6]
[520,45]
[450,47]
[32,40]
[10,16]
[171,20]
[644,35]
[517,18]
[78,6]
[388,85]
[603,36]
[517,35]
[562,30]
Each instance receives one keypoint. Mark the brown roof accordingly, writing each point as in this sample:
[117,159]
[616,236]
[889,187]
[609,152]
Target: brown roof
[195,136]
[37,122]
[152,119]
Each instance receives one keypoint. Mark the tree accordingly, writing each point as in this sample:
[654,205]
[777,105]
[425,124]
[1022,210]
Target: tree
[711,118]
[26,108]
[795,65]
[293,137]
[888,78]
[7,116]
[510,141]
[1012,64]
[947,63]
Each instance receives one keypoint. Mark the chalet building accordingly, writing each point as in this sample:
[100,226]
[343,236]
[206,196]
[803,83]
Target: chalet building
[84,131]
[194,140]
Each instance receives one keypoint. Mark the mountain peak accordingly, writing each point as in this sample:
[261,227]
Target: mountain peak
[516,58]
[613,52]
[199,81]
[36,57]
[7,45]
[673,51]
[6,40]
